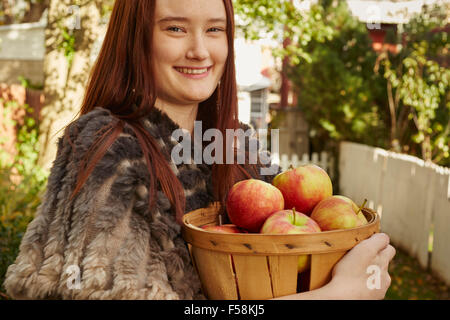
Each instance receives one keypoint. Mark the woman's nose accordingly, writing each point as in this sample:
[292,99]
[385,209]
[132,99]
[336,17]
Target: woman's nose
[198,49]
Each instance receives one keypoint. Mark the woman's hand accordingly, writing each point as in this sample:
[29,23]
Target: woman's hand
[363,272]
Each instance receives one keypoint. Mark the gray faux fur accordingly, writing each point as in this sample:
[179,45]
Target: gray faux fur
[122,249]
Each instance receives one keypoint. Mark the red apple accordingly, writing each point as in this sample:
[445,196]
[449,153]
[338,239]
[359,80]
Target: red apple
[285,222]
[304,187]
[250,202]
[338,212]
[291,222]
[225,228]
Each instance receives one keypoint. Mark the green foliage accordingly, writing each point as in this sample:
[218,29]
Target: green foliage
[18,203]
[395,101]
[347,91]
[67,44]
[21,185]
[26,83]
[338,91]
[418,81]
[25,161]
[107,7]
[281,19]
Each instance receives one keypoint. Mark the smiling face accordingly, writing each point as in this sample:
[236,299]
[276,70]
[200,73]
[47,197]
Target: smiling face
[190,49]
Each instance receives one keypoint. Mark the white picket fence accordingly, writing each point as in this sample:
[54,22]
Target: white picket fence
[412,197]
[323,160]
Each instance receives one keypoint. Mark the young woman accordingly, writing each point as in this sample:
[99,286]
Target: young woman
[109,224]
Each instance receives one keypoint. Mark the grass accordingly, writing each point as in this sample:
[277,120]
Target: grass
[411,282]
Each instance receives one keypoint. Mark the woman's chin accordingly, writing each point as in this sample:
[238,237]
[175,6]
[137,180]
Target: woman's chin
[197,98]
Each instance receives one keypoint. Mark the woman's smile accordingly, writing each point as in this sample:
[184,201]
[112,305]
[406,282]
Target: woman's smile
[194,73]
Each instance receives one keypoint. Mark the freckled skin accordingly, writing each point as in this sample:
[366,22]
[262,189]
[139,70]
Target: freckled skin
[251,202]
[336,212]
[304,187]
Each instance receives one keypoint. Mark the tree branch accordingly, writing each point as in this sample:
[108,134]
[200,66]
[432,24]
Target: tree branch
[392,111]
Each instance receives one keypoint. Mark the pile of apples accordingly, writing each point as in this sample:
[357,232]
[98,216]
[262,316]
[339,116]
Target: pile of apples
[299,200]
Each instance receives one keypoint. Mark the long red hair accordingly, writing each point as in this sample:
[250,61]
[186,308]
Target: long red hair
[123,77]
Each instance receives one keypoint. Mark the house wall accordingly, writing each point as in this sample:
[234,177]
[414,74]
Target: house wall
[11,70]
[22,52]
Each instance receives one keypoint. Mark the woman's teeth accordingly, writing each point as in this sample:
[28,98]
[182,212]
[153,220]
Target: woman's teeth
[192,71]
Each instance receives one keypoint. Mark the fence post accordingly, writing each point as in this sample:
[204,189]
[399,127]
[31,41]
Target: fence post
[294,160]
[284,162]
[324,160]
[305,159]
[315,159]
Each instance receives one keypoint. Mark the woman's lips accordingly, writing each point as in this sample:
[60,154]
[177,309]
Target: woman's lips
[193,73]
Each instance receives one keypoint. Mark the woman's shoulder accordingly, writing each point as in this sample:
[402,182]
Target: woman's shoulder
[87,135]
[85,131]
[91,122]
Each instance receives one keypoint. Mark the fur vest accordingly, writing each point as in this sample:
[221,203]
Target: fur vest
[106,243]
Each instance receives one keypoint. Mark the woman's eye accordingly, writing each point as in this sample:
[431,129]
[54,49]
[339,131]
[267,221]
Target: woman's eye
[216,29]
[175,29]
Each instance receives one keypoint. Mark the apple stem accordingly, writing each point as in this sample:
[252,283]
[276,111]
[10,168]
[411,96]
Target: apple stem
[360,208]
[291,167]
[293,211]
[220,219]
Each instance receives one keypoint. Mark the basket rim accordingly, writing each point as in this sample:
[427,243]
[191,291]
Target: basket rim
[245,243]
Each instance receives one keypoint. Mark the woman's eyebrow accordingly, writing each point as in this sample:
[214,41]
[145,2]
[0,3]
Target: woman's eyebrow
[184,19]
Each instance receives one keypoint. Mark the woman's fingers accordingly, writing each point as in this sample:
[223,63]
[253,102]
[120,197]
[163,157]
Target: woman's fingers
[386,255]
[374,245]
[370,258]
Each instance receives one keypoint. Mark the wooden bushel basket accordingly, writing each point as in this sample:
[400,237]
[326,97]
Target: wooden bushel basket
[258,266]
